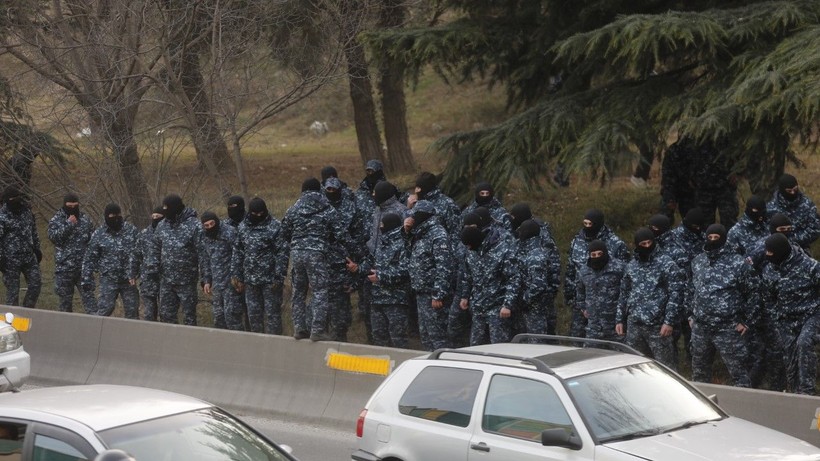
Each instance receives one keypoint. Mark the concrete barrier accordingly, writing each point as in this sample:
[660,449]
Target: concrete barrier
[277,375]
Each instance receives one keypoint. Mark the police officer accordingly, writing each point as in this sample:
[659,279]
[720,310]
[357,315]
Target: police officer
[726,302]
[649,305]
[790,200]
[19,249]
[236,210]
[599,283]
[218,241]
[108,252]
[485,198]
[70,230]
[259,263]
[537,292]
[751,227]
[447,212]
[137,264]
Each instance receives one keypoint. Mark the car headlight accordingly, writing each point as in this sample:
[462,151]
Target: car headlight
[9,339]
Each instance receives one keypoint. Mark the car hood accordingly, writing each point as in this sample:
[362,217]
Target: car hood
[724,440]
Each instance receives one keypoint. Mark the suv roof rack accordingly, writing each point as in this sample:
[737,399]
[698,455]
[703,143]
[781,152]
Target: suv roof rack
[621,347]
[538,364]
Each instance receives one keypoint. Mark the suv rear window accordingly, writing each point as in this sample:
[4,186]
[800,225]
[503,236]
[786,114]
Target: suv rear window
[442,394]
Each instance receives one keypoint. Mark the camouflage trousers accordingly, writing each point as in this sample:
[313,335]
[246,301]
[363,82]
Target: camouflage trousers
[341,315]
[707,339]
[173,297]
[432,322]
[797,338]
[578,324]
[648,340]
[64,285]
[765,356]
[535,318]
[34,282]
[489,327]
[458,324]
[110,289]
[264,304]
[149,293]
[601,325]
[389,325]
[226,304]
[309,270]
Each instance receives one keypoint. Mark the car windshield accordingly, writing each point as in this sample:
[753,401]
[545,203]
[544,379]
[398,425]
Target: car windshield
[202,435]
[638,401]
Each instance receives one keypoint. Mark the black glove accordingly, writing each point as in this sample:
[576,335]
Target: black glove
[38,254]
[3,264]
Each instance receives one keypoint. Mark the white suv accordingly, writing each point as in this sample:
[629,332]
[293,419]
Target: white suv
[523,401]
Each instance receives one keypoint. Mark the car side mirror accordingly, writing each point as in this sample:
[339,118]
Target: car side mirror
[560,438]
[713,398]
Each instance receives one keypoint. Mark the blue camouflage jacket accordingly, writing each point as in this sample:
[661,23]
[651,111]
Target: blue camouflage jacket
[725,289]
[176,253]
[108,253]
[744,235]
[598,291]
[792,289]
[651,292]
[431,263]
[149,285]
[803,214]
[447,212]
[579,253]
[391,262]
[70,240]
[539,283]
[18,236]
[260,253]
[313,224]
[497,211]
[491,279]
[219,251]
[391,205]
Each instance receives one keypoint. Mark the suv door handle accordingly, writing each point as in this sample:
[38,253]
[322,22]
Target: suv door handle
[480,447]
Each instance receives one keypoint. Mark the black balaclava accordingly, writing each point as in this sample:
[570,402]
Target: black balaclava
[756,202]
[597,219]
[375,173]
[383,191]
[71,197]
[660,224]
[236,208]
[155,222]
[13,199]
[519,213]
[485,216]
[694,220]
[391,221]
[328,172]
[113,223]
[335,196]
[780,247]
[257,205]
[642,234]
[420,217]
[472,237]
[173,207]
[472,219]
[484,186]
[780,220]
[210,216]
[426,182]
[597,263]
[311,185]
[787,181]
[528,229]
[714,245]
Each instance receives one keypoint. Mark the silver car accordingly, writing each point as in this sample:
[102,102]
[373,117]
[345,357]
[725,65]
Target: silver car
[527,402]
[15,363]
[76,423]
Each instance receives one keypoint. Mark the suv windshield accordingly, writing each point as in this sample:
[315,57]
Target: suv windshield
[637,401]
[203,435]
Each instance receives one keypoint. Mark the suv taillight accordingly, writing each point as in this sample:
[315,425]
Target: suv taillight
[360,423]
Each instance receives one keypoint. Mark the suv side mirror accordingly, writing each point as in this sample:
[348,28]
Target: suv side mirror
[560,438]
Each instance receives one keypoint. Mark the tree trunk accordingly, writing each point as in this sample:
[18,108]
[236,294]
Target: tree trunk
[125,152]
[394,109]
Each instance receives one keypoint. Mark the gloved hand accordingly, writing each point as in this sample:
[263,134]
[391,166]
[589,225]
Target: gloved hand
[38,254]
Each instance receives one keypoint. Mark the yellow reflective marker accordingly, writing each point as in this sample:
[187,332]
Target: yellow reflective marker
[359,363]
[21,323]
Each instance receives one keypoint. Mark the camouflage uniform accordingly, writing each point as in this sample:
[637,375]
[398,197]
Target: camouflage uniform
[491,281]
[260,261]
[20,246]
[745,235]
[497,211]
[137,269]
[176,256]
[70,241]
[311,226]
[226,301]
[578,254]
[431,279]
[803,215]
[539,285]
[651,297]
[447,212]
[391,293]
[725,295]
[791,296]
[596,292]
[107,254]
